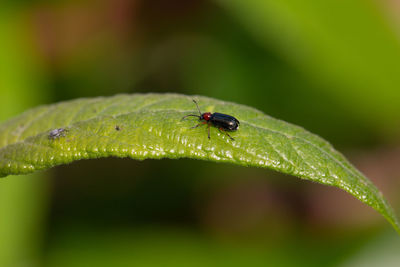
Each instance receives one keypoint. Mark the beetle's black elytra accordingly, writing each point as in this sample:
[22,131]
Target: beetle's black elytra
[223,122]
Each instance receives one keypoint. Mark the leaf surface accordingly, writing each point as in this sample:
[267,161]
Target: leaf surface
[149,126]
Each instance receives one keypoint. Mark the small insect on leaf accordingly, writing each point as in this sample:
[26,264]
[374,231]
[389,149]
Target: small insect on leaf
[221,121]
[57,133]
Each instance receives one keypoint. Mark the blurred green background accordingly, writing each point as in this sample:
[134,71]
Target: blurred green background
[330,66]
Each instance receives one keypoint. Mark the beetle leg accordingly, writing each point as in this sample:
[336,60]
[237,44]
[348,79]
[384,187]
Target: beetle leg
[196,126]
[230,136]
[209,131]
[225,132]
[203,122]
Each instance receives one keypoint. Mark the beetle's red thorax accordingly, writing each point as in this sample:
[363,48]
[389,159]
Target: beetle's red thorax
[206,116]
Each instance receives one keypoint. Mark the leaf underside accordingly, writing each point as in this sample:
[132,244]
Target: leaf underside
[149,126]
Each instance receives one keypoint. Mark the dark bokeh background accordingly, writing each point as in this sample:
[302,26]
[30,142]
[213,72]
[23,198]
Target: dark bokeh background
[330,66]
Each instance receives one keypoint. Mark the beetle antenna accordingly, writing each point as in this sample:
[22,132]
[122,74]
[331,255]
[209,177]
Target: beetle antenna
[190,115]
[197,107]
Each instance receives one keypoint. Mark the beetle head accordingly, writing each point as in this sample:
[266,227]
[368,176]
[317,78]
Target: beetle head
[206,116]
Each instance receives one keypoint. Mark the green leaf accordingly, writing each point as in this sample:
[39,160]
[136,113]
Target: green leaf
[143,126]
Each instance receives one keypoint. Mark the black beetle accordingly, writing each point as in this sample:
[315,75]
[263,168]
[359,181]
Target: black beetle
[222,121]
